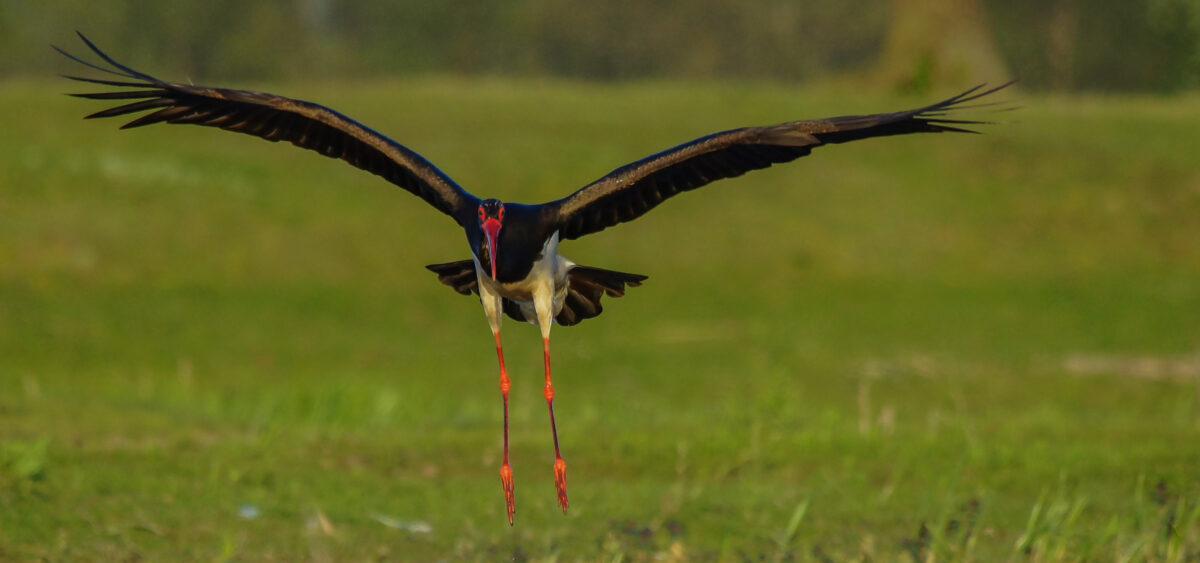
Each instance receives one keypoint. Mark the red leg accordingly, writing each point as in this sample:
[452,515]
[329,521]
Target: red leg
[560,466]
[506,474]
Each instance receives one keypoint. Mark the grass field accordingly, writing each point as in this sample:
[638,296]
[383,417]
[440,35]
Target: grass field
[938,348]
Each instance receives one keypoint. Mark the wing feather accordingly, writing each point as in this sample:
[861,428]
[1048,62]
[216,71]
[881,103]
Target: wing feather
[276,118]
[631,190]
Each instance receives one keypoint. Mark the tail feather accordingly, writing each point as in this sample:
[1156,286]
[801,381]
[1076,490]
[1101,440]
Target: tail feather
[585,287]
[459,275]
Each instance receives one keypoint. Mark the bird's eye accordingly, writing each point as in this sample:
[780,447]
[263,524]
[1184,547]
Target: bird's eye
[501,216]
[480,213]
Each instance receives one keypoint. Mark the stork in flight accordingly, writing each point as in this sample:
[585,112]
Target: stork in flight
[514,267]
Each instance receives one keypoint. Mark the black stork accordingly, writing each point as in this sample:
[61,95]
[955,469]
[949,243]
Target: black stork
[515,267]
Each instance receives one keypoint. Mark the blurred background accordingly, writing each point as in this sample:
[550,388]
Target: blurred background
[929,347]
[1059,45]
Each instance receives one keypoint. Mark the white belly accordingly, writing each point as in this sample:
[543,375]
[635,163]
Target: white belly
[545,286]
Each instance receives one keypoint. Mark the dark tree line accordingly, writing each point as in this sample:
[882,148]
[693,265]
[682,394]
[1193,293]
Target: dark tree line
[1130,45]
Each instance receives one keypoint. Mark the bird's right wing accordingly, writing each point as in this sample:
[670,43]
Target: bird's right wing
[276,118]
[631,190]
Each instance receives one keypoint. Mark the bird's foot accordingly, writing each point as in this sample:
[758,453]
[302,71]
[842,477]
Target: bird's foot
[510,499]
[560,482]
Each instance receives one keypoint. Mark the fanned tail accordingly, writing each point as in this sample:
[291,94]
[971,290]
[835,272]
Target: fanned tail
[585,286]
[459,275]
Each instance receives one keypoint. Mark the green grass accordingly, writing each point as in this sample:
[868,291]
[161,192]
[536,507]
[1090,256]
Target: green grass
[939,347]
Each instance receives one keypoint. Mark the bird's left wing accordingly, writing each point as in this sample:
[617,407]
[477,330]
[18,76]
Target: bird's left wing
[276,118]
[631,190]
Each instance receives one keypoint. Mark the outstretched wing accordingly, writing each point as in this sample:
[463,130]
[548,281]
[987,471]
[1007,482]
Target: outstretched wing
[276,118]
[631,190]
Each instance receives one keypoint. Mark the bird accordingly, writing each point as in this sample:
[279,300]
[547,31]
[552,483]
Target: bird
[515,267]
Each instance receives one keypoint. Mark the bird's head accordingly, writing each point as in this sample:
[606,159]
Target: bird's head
[491,219]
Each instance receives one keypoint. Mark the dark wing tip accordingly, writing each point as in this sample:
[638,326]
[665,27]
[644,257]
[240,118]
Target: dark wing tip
[149,93]
[90,65]
[936,115]
[124,71]
[107,82]
[976,92]
[962,100]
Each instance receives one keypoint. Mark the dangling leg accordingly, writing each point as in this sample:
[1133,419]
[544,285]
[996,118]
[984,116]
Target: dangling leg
[543,304]
[560,466]
[492,308]
[506,474]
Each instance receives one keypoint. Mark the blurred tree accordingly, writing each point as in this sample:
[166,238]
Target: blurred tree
[1150,45]
[940,43]
[1062,32]
[226,38]
[1058,44]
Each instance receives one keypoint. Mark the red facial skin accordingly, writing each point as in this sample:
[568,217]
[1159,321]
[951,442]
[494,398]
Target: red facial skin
[491,229]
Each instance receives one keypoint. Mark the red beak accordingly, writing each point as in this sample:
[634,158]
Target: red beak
[491,229]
